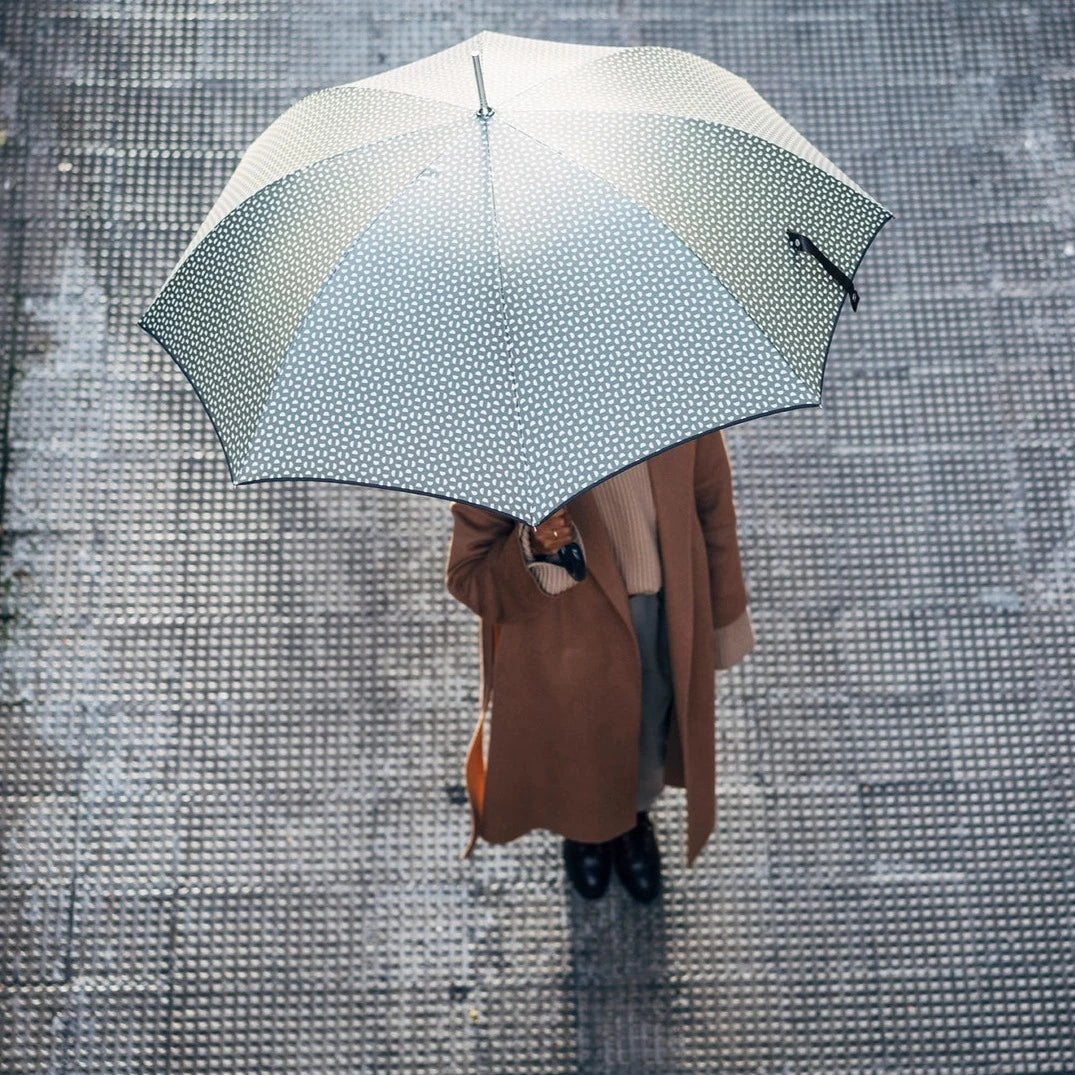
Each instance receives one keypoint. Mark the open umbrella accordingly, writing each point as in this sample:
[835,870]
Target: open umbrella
[505,272]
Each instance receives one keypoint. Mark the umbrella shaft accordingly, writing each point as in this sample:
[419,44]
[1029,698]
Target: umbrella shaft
[485,110]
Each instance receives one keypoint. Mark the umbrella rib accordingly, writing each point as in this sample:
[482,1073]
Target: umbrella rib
[620,52]
[499,100]
[463,110]
[487,153]
[854,190]
[557,75]
[200,237]
[716,276]
[335,269]
[842,179]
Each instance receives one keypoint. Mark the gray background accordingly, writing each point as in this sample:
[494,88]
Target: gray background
[234,718]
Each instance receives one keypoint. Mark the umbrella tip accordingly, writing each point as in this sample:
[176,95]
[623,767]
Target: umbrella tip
[484,112]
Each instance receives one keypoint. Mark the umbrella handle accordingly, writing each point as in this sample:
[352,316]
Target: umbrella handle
[570,557]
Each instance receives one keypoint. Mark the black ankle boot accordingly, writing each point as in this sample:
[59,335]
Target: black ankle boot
[637,859]
[589,866]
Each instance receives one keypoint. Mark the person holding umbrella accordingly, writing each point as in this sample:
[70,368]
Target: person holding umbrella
[602,680]
[621,248]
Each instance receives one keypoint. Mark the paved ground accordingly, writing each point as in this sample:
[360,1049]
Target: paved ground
[234,719]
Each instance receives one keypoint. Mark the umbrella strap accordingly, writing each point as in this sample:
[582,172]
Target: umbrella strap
[801,242]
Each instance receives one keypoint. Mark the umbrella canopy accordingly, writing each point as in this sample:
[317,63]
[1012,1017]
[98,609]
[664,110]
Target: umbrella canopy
[506,271]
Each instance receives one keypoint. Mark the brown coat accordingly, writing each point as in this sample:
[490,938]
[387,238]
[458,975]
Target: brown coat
[564,669]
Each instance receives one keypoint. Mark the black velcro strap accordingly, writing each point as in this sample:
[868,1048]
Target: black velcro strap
[801,242]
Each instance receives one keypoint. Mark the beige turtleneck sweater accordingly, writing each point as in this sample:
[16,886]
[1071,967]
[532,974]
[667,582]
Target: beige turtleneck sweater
[625,502]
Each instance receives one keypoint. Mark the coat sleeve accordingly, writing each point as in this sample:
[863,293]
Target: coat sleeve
[716,511]
[487,569]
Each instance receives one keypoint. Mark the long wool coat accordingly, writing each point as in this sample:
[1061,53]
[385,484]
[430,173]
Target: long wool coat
[563,672]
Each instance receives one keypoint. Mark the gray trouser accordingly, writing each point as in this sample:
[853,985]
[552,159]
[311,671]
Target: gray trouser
[651,630]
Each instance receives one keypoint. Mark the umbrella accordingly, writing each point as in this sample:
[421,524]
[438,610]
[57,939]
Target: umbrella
[504,272]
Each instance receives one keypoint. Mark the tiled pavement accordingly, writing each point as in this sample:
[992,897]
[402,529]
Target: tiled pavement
[234,718]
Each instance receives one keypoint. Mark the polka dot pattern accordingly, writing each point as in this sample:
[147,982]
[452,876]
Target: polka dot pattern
[515,65]
[401,370]
[229,311]
[320,126]
[506,310]
[656,80]
[732,198]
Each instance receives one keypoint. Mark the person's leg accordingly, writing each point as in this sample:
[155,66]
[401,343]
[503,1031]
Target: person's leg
[635,852]
[647,612]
